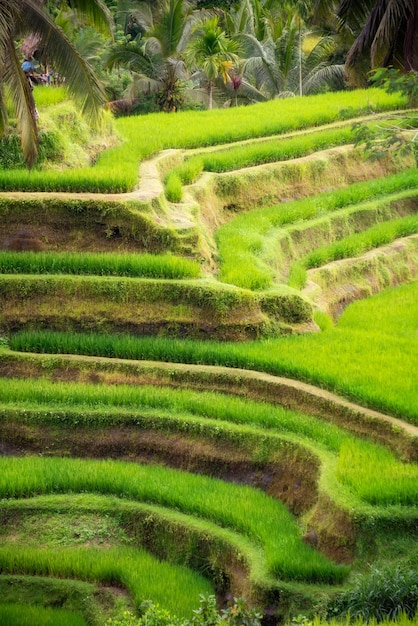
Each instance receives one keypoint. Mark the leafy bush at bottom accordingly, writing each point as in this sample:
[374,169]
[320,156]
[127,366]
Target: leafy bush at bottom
[206,615]
[383,594]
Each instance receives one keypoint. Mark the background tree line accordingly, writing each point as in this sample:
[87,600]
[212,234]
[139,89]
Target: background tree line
[170,54]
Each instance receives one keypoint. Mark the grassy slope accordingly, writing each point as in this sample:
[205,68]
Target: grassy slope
[369,355]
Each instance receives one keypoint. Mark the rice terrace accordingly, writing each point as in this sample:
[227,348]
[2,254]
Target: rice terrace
[208,368]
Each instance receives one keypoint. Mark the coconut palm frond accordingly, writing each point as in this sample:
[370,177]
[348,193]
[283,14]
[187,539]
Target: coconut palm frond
[239,20]
[355,12]
[322,10]
[244,92]
[95,11]
[88,44]
[267,77]
[169,29]
[142,84]
[124,54]
[21,95]
[286,52]
[322,51]
[251,45]
[3,113]
[79,76]
[324,75]
[395,13]
[143,13]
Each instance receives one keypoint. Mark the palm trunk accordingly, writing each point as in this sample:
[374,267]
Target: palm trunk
[300,62]
[210,88]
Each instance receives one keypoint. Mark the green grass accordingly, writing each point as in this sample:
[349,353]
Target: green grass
[100,264]
[173,187]
[72,595]
[243,242]
[275,150]
[174,587]
[21,615]
[100,405]
[231,506]
[369,356]
[45,97]
[377,480]
[363,478]
[116,169]
[374,237]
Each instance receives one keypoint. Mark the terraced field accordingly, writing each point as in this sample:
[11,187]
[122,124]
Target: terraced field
[188,404]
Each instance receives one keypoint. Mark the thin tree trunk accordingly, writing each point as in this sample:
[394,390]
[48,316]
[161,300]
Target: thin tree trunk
[300,62]
[210,94]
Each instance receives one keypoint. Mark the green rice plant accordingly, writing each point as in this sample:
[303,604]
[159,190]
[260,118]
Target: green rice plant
[174,587]
[141,265]
[189,170]
[75,596]
[23,615]
[376,478]
[32,394]
[241,242]
[194,129]
[363,467]
[357,243]
[173,187]
[323,320]
[173,536]
[116,169]
[49,97]
[297,275]
[72,291]
[276,150]
[231,506]
[368,356]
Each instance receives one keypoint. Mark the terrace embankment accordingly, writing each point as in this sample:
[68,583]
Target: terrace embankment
[400,436]
[222,196]
[200,309]
[290,475]
[336,285]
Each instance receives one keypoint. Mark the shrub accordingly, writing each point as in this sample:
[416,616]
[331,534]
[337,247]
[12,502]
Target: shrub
[206,615]
[383,594]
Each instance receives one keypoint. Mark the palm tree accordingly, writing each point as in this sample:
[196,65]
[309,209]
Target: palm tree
[21,17]
[155,57]
[212,52]
[277,66]
[386,34]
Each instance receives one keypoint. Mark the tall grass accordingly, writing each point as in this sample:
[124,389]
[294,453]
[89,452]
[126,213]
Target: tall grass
[135,265]
[174,587]
[369,356]
[275,150]
[232,506]
[47,97]
[65,397]
[357,243]
[23,615]
[377,480]
[241,241]
[116,169]
[365,478]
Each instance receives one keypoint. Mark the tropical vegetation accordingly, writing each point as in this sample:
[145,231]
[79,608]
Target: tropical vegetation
[208,408]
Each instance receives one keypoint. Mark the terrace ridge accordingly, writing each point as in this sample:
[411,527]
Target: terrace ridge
[289,392]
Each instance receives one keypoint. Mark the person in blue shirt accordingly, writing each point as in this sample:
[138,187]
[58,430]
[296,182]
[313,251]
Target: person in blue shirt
[27,66]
